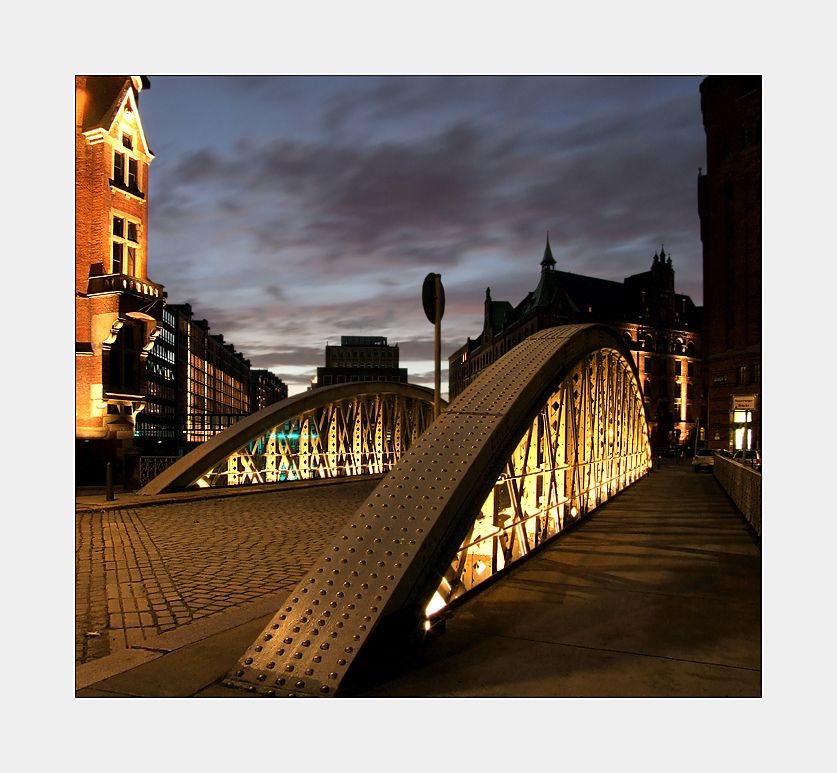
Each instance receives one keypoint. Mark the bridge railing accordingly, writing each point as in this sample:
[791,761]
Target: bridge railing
[743,485]
[152,466]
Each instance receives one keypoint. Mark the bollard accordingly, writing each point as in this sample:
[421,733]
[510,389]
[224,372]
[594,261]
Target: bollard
[109,483]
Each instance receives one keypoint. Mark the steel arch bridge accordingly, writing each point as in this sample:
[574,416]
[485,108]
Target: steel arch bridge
[349,429]
[551,430]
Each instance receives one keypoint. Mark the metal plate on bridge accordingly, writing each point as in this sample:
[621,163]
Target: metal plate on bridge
[386,558]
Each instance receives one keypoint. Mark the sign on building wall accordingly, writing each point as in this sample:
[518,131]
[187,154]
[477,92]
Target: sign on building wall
[743,402]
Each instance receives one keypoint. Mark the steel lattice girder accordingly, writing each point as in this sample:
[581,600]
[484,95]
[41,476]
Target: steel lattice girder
[551,480]
[335,417]
[389,560]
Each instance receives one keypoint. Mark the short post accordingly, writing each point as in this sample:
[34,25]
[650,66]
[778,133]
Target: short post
[109,483]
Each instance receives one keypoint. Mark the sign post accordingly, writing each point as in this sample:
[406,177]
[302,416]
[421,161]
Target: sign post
[433,301]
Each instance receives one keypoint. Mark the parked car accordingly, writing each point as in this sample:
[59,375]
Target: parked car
[704,458]
[751,458]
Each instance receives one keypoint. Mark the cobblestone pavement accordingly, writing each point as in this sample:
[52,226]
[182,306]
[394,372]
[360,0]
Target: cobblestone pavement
[142,571]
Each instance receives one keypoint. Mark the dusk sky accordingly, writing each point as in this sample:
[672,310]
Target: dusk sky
[290,211]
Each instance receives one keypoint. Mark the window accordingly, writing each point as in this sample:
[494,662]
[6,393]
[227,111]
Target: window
[119,166]
[127,141]
[755,374]
[133,173]
[690,369]
[741,374]
[125,247]
[690,392]
[678,368]
[122,164]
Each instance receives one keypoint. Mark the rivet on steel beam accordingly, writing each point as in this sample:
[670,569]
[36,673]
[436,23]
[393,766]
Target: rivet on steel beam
[248,661]
[271,664]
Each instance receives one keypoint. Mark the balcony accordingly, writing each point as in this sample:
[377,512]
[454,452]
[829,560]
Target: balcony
[122,283]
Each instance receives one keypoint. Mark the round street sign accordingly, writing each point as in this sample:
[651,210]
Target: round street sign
[428,298]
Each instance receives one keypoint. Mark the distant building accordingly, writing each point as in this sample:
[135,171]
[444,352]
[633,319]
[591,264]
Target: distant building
[661,327]
[266,388]
[157,427]
[729,205]
[198,386]
[360,358]
[118,308]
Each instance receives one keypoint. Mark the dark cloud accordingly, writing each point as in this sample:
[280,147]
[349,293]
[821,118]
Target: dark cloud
[319,204]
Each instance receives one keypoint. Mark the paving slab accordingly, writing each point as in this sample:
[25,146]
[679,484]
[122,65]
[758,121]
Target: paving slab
[657,594]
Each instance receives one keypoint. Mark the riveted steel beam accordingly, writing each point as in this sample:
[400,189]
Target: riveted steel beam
[537,414]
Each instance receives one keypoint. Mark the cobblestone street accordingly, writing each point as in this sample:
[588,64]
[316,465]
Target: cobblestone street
[142,571]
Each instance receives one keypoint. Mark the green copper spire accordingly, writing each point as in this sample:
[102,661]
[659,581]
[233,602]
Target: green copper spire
[548,262]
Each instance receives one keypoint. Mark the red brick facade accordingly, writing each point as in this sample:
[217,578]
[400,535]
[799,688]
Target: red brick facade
[729,204]
[117,308]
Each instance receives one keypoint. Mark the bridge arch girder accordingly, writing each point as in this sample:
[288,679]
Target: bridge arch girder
[396,552]
[408,406]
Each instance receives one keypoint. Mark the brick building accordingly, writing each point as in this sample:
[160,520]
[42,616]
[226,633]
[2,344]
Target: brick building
[660,326]
[118,308]
[729,205]
[361,358]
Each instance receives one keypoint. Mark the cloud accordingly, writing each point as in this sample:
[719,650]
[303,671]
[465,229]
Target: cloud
[309,208]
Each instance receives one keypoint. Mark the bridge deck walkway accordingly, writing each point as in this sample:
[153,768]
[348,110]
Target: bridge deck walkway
[658,594]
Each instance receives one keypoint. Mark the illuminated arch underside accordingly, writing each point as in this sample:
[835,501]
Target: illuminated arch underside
[348,429]
[563,407]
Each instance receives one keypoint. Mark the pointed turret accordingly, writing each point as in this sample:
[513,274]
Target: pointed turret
[547,262]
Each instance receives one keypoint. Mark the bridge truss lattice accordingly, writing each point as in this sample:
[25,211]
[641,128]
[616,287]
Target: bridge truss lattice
[348,429]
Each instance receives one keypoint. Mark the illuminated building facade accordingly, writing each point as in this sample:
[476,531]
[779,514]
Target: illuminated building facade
[213,379]
[661,327]
[266,388]
[118,308]
[198,385]
[361,358]
[729,205]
